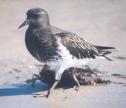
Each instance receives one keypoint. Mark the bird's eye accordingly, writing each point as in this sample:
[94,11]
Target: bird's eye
[36,16]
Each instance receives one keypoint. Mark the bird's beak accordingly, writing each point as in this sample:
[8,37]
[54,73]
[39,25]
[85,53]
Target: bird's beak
[26,22]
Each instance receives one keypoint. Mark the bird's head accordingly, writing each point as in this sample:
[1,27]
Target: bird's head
[36,17]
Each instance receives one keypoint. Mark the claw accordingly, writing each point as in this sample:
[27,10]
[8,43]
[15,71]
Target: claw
[76,87]
[43,94]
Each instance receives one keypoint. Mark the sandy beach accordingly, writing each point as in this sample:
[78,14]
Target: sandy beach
[101,22]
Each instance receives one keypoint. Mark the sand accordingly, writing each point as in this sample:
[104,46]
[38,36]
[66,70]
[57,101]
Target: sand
[101,22]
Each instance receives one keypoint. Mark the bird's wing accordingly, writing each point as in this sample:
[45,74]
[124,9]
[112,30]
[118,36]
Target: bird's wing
[77,46]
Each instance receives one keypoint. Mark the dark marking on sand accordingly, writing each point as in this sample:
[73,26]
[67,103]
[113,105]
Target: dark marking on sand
[120,57]
[119,76]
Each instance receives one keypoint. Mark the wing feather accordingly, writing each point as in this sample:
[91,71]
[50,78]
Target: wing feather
[77,46]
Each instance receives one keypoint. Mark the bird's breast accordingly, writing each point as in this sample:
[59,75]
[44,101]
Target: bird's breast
[42,46]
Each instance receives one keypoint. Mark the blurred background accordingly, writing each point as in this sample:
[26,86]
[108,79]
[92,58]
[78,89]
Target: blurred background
[100,22]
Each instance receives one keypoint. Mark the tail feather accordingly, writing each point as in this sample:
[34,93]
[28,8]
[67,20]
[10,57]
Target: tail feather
[104,47]
[107,58]
[105,51]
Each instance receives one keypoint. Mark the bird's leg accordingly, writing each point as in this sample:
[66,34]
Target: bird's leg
[76,80]
[45,68]
[58,76]
[52,88]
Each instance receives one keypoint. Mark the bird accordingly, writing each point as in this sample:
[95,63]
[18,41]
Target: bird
[57,48]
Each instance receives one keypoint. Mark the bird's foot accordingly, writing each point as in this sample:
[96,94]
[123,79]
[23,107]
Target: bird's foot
[76,87]
[40,94]
[93,82]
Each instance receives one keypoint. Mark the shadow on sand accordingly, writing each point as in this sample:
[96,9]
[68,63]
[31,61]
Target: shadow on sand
[22,89]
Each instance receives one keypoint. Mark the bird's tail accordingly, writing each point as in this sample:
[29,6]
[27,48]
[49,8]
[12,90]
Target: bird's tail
[105,51]
[104,47]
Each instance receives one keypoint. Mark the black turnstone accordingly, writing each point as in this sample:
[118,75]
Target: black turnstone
[57,48]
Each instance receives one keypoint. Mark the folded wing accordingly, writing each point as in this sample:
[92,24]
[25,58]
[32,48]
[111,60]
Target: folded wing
[80,49]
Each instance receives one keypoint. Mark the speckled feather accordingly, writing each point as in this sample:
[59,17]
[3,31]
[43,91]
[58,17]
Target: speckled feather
[57,48]
[78,47]
[41,44]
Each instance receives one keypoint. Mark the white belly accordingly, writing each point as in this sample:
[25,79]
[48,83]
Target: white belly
[67,60]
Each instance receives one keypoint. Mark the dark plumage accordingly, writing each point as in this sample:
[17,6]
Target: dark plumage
[57,48]
[79,48]
[41,44]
